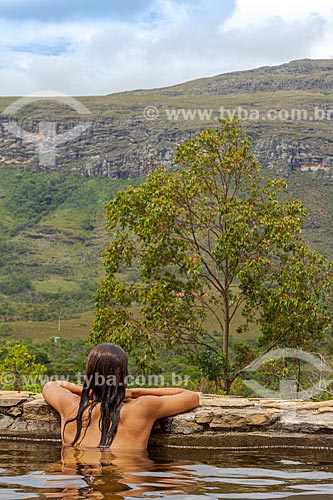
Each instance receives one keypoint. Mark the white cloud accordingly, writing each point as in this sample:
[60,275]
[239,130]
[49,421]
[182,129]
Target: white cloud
[258,12]
[170,42]
[257,17]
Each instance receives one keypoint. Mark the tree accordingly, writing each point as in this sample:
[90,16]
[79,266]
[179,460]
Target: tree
[213,240]
[19,369]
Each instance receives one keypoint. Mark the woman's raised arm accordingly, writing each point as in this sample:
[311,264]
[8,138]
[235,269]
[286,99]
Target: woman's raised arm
[164,401]
[61,395]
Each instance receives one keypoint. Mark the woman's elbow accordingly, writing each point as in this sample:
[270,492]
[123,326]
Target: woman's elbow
[47,389]
[193,399]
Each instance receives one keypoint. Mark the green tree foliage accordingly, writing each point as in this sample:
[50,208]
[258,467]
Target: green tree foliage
[28,365]
[212,240]
[63,358]
[50,225]
[14,284]
[19,369]
[37,194]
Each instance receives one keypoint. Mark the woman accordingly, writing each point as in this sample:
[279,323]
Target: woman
[103,413]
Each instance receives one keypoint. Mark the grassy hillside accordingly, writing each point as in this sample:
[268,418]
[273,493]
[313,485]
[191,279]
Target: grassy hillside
[40,331]
[52,219]
[53,236]
[51,261]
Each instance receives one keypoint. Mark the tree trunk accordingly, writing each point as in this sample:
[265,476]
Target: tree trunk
[226,385]
[226,326]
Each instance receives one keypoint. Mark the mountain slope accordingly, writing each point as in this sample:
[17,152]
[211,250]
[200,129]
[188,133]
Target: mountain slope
[52,218]
[121,142]
[51,246]
[304,74]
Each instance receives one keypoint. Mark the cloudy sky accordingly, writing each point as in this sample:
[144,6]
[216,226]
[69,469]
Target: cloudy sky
[81,47]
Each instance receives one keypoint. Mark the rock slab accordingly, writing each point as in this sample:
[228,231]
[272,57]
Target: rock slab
[218,421]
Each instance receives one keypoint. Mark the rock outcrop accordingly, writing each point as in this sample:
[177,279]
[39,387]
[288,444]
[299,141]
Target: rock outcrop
[286,109]
[218,421]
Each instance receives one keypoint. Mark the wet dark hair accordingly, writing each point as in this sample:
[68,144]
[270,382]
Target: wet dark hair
[105,383]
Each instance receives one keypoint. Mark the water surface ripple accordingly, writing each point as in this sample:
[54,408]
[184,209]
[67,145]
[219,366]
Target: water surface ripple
[45,471]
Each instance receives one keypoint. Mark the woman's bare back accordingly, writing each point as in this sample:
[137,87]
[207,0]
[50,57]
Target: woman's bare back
[140,409]
[132,432]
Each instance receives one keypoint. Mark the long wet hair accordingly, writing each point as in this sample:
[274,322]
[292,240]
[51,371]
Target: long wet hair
[105,383]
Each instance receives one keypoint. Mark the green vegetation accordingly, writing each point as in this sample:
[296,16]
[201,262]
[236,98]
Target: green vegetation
[77,327]
[53,223]
[52,239]
[36,195]
[212,239]
[27,366]
[19,369]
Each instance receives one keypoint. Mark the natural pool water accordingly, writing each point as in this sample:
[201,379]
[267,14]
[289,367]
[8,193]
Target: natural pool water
[44,471]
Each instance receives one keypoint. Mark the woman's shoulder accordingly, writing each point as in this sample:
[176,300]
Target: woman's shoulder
[61,399]
[138,407]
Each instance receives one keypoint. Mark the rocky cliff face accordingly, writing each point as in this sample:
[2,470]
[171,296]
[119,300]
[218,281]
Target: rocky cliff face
[135,150]
[121,142]
[111,148]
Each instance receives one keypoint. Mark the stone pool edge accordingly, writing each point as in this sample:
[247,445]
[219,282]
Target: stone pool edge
[219,421]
